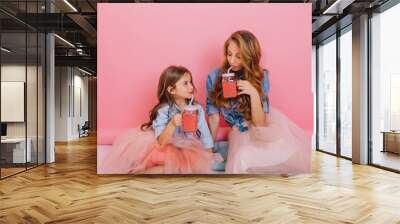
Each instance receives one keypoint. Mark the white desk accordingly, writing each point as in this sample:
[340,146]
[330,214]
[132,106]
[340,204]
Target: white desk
[18,149]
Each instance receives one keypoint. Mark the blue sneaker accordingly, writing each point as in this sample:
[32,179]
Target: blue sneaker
[219,166]
[221,148]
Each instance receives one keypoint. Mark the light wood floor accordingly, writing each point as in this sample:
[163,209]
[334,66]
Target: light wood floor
[5,172]
[10,171]
[391,160]
[70,191]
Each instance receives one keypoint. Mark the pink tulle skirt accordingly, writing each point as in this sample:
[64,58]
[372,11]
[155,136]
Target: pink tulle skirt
[279,148]
[137,151]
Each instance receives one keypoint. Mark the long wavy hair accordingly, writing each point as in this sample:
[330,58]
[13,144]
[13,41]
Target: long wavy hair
[169,77]
[250,52]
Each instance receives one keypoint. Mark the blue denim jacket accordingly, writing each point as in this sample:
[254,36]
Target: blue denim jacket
[232,116]
[165,114]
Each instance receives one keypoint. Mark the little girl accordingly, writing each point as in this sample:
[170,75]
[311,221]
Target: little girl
[160,145]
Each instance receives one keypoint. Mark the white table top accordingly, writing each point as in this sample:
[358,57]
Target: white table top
[13,140]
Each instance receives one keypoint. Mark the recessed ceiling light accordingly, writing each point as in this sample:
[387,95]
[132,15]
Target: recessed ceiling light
[84,71]
[338,6]
[70,5]
[5,50]
[64,40]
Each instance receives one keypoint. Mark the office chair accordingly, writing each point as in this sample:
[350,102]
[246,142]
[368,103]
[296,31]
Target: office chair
[84,130]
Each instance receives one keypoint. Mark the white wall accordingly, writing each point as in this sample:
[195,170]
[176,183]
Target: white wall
[70,83]
[33,127]
[61,103]
[80,84]
[10,73]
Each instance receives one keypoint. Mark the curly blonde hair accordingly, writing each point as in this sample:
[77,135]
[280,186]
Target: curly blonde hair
[250,52]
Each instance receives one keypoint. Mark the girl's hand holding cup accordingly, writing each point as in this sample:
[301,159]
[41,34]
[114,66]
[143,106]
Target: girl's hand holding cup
[177,120]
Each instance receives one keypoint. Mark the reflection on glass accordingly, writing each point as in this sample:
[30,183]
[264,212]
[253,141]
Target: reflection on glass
[31,101]
[327,96]
[386,88]
[41,99]
[13,85]
[346,94]
[22,90]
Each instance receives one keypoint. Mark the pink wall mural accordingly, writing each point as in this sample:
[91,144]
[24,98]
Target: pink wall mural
[137,41]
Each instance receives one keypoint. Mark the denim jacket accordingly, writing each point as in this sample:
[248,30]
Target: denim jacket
[232,116]
[165,114]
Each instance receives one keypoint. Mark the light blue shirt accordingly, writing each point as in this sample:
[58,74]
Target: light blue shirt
[165,114]
[231,116]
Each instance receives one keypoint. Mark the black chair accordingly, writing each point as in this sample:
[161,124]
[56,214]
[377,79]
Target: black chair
[84,130]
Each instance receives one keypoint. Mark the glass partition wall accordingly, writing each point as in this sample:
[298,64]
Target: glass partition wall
[334,96]
[22,92]
[385,89]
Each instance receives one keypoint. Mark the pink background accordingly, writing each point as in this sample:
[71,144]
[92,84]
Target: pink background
[137,41]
